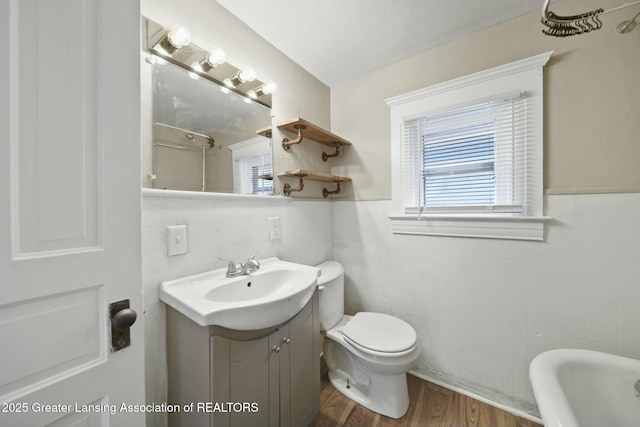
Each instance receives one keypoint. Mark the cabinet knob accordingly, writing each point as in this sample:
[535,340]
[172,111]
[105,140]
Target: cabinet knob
[276,349]
[286,340]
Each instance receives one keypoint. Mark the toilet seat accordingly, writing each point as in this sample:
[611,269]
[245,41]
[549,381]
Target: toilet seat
[379,333]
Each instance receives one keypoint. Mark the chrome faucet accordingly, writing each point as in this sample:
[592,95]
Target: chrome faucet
[250,266]
[247,267]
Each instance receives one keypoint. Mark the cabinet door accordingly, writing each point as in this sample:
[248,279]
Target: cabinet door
[249,382]
[278,392]
[276,372]
[300,370]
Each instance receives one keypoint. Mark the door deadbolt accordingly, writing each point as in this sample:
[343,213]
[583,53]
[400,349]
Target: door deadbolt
[122,317]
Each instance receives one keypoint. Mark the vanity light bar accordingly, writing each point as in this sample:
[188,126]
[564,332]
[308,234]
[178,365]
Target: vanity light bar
[166,45]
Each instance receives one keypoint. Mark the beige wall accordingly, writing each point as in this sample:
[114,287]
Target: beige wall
[592,101]
[299,94]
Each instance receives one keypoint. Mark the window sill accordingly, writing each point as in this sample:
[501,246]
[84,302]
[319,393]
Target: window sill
[477,226]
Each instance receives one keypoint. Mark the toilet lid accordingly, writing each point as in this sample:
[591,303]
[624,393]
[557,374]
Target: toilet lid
[380,332]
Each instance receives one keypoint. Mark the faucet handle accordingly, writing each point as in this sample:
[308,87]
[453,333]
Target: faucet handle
[232,267]
[253,258]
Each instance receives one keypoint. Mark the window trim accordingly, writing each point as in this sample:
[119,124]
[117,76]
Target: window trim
[524,75]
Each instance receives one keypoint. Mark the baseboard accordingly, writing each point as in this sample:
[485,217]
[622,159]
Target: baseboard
[473,395]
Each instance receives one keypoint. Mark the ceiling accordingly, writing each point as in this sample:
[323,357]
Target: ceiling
[339,40]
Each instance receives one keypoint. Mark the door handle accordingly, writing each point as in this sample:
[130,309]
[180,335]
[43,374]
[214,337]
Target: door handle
[122,318]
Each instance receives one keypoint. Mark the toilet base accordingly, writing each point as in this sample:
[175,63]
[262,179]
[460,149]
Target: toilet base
[384,394]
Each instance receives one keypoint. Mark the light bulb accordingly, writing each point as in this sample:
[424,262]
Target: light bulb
[174,40]
[247,74]
[196,66]
[154,59]
[179,36]
[269,88]
[246,100]
[217,56]
[224,90]
[265,89]
[213,59]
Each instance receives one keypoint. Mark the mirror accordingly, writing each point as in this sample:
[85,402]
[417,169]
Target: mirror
[204,137]
[204,134]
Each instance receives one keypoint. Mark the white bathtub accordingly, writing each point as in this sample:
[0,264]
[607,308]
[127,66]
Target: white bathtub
[582,388]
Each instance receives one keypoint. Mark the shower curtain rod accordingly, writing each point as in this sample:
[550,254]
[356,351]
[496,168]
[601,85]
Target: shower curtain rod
[565,26]
[622,6]
[176,147]
[545,8]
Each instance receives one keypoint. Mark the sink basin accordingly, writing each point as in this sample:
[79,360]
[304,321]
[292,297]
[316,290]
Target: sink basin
[266,298]
[253,287]
[583,388]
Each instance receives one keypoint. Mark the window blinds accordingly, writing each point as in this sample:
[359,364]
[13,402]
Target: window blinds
[467,159]
[246,173]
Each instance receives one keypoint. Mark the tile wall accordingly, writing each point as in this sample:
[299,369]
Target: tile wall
[217,226]
[484,308]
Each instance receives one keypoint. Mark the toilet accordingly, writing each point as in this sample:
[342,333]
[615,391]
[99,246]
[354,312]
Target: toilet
[369,354]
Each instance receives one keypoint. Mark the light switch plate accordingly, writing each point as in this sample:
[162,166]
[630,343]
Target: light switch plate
[274,228]
[176,240]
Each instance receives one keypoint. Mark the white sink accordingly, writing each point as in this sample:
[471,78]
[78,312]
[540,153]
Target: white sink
[268,297]
[583,388]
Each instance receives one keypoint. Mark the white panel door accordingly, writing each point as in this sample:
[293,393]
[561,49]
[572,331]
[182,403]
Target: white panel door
[69,211]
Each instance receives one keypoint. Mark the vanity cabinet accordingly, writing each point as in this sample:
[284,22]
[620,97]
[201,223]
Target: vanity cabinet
[239,378]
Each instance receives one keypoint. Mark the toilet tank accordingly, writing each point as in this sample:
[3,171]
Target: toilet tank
[331,286]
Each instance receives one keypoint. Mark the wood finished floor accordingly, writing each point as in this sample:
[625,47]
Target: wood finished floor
[430,406]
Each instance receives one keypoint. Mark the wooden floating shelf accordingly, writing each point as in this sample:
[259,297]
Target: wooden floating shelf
[313,132]
[302,174]
[307,130]
[314,176]
[265,131]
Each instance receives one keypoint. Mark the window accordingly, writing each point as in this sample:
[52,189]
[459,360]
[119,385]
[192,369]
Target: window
[458,170]
[467,155]
[250,175]
[467,159]
[252,166]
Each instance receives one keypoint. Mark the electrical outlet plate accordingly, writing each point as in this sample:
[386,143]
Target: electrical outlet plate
[274,228]
[176,240]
